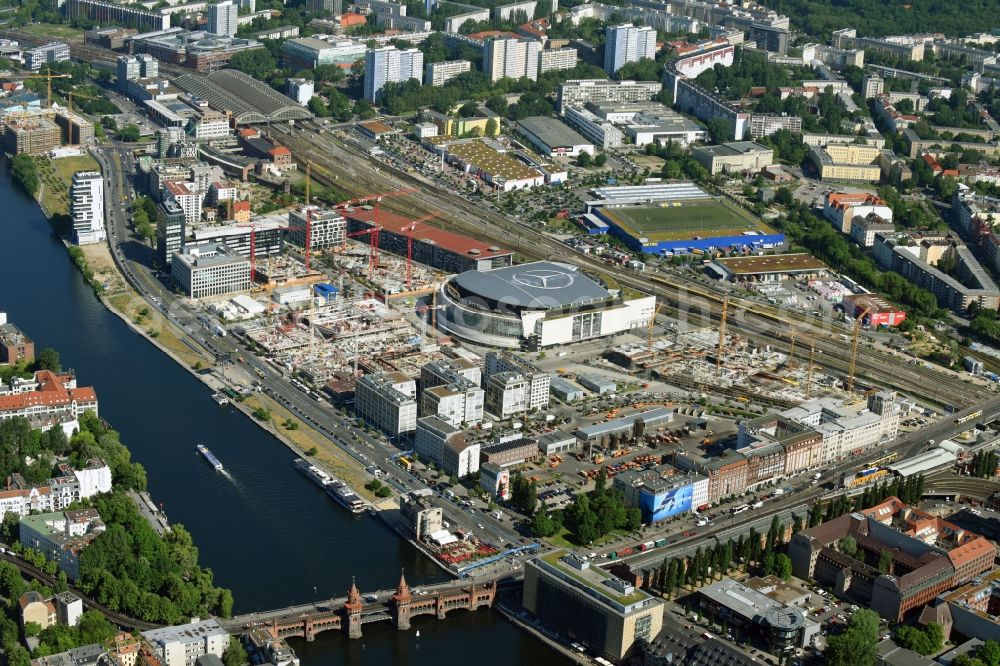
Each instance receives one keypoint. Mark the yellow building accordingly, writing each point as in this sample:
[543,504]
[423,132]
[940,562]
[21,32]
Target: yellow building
[457,126]
[847,162]
[35,608]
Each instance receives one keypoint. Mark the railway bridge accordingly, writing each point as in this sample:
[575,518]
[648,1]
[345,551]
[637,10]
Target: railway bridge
[349,614]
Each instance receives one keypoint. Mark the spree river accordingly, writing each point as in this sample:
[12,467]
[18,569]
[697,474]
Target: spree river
[268,533]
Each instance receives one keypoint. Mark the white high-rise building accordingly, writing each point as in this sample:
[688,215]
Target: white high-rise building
[389,65]
[627,43]
[511,58]
[222,18]
[86,207]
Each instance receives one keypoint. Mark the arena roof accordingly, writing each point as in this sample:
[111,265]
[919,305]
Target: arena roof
[538,285]
[246,98]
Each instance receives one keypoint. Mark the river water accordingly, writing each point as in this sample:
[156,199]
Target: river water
[268,533]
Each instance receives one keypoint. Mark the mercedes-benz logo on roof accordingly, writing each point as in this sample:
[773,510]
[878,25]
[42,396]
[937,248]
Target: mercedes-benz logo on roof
[542,278]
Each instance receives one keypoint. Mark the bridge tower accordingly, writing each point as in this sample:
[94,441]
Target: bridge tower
[401,604]
[352,609]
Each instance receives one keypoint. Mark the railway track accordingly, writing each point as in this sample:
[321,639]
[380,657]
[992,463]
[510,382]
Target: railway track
[762,322]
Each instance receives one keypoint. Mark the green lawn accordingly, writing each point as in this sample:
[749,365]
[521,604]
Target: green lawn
[54,30]
[680,220]
[57,175]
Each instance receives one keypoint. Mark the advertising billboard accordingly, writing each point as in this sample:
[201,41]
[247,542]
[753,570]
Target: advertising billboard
[663,505]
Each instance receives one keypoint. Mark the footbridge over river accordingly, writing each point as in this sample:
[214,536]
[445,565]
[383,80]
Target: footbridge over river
[348,614]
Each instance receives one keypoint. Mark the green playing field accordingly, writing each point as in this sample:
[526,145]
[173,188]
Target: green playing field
[679,220]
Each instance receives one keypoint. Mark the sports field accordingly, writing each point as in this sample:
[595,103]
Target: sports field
[682,220]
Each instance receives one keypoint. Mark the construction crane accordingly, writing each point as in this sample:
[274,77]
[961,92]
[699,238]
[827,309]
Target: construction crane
[72,94]
[377,199]
[790,363]
[650,326]
[809,374]
[69,116]
[373,243]
[722,335]
[48,77]
[856,333]
[409,245]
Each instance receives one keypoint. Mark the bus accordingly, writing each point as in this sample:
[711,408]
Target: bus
[884,460]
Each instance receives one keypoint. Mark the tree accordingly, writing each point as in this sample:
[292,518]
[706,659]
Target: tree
[49,360]
[25,173]
[885,562]
[258,63]
[601,482]
[848,546]
[32,628]
[524,494]
[129,133]
[235,654]
[856,645]
[364,110]
[927,640]
[600,159]
[783,566]
[492,127]
[783,196]
[584,160]
[543,525]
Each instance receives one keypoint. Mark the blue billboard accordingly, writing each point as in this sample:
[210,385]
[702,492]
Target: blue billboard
[660,506]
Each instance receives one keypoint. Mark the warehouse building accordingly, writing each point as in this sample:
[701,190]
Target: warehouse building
[771,268]
[552,137]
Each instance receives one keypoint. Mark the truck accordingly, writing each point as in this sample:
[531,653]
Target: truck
[219,331]
[817,475]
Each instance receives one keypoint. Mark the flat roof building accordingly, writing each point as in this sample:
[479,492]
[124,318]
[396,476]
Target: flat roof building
[184,644]
[771,268]
[553,137]
[15,346]
[388,401]
[61,536]
[581,91]
[735,157]
[210,270]
[586,604]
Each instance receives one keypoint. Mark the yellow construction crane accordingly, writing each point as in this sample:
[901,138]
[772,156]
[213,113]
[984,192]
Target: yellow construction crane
[71,95]
[49,76]
[722,336]
[649,327]
[856,333]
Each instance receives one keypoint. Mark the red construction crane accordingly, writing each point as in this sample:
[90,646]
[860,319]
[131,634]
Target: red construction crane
[377,199]
[409,244]
[253,251]
[372,248]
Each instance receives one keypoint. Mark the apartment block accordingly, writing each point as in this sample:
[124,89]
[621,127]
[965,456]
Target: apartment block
[556,59]
[86,207]
[506,394]
[578,92]
[511,58]
[627,43]
[182,645]
[439,73]
[61,536]
[390,65]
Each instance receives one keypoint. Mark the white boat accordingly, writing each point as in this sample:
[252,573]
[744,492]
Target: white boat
[210,457]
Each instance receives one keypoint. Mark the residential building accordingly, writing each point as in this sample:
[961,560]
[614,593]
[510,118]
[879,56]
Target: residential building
[36,58]
[577,92]
[308,52]
[33,607]
[61,536]
[390,65]
[454,22]
[111,13]
[506,394]
[332,7]
[182,645]
[200,271]
[15,346]
[441,442]
[736,157]
[457,403]
[69,608]
[901,48]
[872,85]
[556,59]
[222,18]
[188,198]
[589,605]
[86,207]
[46,398]
[627,43]
[762,124]
[495,480]
[387,401]
[511,58]
[842,208]
[538,380]
[865,229]
[170,226]
[327,228]
[439,73]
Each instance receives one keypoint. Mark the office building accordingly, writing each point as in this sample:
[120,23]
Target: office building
[627,43]
[555,59]
[446,446]
[735,157]
[200,50]
[450,371]
[308,52]
[538,380]
[439,73]
[222,18]
[783,627]
[928,555]
[327,228]
[509,450]
[15,346]
[662,493]
[32,135]
[506,394]
[61,536]
[75,130]
[387,401]
[422,519]
[457,403]
[187,196]
[268,237]
[36,58]
[86,207]
[183,644]
[511,58]
[170,230]
[589,605]
[847,162]
[209,270]
[578,92]
[390,65]
[112,13]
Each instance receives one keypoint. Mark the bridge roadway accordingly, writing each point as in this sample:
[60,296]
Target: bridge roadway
[767,323]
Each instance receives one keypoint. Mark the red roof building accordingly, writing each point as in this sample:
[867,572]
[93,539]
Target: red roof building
[350,19]
[49,395]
